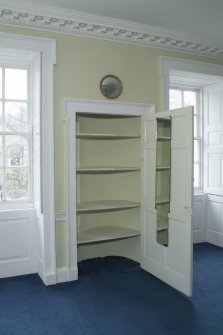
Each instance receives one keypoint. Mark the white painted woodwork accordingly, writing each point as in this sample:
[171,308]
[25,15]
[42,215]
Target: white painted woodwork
[162,199]
[199,217]
[18,247]
[105,136]
[213,139]
[213,162]
[105,205]
[172,264]
[214,234]
[106,169]
[209,77]
[103,234]
[23,229]
[122,200]
[189,68]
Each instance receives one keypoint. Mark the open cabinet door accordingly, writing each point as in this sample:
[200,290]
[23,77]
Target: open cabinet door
[167,184]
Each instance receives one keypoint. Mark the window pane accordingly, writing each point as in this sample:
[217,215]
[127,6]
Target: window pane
[16,150]
[190,99]
[195,126]
[0,83]
[16,84]
[196,151]
[0,116]
[17,181]
[1,153]
[1,185]
[175,98]
[16,116]
[196,175]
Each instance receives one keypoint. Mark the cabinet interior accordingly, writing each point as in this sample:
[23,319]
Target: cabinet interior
[129,176]
[108,169]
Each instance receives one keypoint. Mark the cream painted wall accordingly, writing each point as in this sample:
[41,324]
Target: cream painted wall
[81,63]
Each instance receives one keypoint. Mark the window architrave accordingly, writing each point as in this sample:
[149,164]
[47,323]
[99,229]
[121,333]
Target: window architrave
[169,64]
[46,50]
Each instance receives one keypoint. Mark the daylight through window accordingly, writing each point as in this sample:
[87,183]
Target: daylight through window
[180,97]
[15,135]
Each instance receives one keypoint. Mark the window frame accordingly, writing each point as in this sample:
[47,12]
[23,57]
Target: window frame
[44,51]
[202,71]
[199,115]
[8,61]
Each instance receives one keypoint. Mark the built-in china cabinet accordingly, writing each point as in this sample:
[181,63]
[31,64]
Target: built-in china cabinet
[129,180]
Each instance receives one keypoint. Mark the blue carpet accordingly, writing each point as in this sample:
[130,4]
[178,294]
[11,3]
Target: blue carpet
[115,297]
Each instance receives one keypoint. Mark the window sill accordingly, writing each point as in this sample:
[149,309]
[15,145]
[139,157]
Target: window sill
[16,206]
[198,191]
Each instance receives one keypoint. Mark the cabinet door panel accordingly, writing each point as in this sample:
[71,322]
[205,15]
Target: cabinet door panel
[172,262]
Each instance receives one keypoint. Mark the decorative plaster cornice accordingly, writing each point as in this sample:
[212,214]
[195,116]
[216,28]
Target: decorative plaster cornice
[76,23]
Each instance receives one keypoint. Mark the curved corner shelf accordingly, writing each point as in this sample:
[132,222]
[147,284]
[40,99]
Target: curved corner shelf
[105,234]
[105,206]
[92,136]
[92,170]
[107,115]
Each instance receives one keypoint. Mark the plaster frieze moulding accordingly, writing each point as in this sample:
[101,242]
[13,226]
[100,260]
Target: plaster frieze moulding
[114,30]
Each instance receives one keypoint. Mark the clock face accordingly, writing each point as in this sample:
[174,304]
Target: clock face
[111,86]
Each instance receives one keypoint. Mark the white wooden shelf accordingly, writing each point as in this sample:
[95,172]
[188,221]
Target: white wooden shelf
[162,167]
[106,116]
[162,223]
[106,169]
[92,136]
[163,138]
[164,119]
[162,200]
[161,228]
[105,206]
[105,234]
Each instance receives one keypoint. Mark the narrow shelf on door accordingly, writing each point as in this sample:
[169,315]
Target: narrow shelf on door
[162,200]
[162,167]
[162,224]
[163,138]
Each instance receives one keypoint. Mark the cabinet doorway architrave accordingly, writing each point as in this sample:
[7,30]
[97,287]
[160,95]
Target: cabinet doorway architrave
[72,108]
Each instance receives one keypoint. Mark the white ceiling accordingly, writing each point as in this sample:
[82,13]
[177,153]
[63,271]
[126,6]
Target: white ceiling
[200,17]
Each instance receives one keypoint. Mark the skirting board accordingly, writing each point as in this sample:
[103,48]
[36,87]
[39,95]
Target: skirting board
[65,275]
[47,278]
[62,274]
